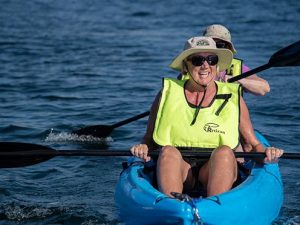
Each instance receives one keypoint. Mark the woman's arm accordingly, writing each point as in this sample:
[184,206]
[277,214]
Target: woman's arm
[148,137]
[249,140]
[148,144]
[255,85]
[252,84]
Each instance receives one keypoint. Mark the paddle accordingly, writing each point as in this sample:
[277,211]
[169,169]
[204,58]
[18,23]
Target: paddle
[17,154]
[287,56]
[102,131]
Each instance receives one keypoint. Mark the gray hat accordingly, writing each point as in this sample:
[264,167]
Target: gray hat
[220,32]
[202,44]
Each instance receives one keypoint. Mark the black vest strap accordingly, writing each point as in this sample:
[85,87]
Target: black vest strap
[226,97]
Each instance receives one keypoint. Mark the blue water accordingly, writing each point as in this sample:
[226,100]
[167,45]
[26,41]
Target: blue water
[68,64]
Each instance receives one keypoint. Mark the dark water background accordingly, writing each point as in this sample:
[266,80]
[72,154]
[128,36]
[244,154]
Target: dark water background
[65,64]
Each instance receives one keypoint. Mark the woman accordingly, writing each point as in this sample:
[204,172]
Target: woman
[253,84]
[199,113]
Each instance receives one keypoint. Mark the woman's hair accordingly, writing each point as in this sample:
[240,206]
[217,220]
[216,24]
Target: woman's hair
[218,68]
[184,68]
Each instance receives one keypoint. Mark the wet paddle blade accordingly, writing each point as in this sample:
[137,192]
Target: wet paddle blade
[288,56]
[14,154]
[100,131]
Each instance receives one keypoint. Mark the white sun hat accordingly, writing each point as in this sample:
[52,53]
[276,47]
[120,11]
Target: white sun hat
[220,32]
[202,44]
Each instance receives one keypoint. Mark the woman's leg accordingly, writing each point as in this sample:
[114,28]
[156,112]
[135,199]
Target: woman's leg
[172,171]
[219,174]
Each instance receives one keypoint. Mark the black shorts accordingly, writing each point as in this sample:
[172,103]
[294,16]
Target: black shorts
[198,188]
[196,164]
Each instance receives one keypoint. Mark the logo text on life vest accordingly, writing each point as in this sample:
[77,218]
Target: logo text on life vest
[212,128]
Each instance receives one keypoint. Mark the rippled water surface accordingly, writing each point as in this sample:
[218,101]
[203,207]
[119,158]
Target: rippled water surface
[68,64]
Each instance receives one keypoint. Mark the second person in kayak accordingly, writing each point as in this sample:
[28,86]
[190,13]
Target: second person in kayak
[199,113]
[252,84]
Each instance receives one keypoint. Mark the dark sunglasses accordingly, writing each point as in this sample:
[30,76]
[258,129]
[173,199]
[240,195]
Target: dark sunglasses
[222,44]
[198,60]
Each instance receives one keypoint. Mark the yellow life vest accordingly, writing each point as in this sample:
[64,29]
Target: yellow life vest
[216,125]
[235,67]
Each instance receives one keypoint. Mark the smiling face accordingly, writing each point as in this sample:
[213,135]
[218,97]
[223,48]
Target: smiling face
[202,67]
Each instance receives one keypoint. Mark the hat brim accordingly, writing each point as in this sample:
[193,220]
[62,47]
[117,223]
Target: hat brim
[225,57]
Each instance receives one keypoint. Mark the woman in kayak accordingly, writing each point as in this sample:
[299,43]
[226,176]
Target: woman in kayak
[252,84]
[199,113]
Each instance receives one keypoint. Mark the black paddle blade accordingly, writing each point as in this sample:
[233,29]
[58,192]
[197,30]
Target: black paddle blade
[100,131]
[15,154]
[288,56]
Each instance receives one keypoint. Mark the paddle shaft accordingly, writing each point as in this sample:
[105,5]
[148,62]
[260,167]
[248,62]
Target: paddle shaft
[249,73]
[67,153]
[129,120]
[18,154]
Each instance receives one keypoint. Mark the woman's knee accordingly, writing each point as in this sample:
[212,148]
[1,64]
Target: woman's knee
[170,152]
[224,152]
[224,157]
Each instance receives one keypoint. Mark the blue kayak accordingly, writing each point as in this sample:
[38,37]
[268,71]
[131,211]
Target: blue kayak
[256,201]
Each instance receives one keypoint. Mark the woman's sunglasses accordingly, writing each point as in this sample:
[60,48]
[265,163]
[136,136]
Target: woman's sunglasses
[198,60]
[222,44]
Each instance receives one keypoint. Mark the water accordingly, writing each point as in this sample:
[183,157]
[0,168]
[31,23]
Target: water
[69,64]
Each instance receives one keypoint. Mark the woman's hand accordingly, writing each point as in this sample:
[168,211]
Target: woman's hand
[141,151]
[273,154]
